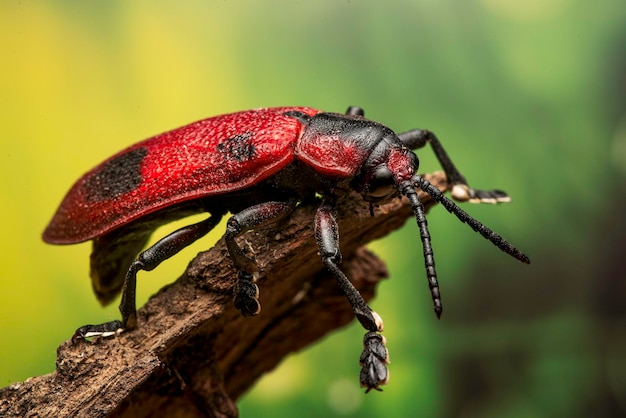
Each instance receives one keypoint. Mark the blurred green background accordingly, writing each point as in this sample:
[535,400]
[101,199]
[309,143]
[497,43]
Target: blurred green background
[527,96]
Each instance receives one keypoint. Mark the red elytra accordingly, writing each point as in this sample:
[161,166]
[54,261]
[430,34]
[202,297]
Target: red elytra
[257,164]
[187,163]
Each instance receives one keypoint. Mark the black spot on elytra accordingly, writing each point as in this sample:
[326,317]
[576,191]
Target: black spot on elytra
[116,177]
[302,117]
[238,147]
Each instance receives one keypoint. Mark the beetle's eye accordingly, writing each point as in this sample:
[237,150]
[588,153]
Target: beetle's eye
[381,183]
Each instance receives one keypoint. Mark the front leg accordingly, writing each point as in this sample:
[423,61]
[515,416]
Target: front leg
[374,358]
[460,190]
[246,292]
[147,260]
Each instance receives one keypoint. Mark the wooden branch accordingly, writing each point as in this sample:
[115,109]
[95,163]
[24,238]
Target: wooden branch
[193,353]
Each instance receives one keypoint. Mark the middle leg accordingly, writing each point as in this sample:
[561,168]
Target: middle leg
[246,292]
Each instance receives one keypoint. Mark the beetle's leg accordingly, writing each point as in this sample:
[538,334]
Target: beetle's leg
[355,111]
[327,237]
[246,292]
[460,190]
[374,357]
[147,260]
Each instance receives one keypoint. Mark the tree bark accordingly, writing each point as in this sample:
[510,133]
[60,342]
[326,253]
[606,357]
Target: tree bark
[194,354]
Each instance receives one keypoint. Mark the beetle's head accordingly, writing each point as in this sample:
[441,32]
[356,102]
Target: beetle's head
[388,166]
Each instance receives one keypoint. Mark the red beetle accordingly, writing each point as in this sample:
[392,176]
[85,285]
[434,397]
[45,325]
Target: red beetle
[257,164]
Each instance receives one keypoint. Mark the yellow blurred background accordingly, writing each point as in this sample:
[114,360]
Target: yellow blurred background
[526,96]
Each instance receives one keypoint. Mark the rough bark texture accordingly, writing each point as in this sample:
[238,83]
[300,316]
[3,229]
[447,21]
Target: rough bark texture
[194,354]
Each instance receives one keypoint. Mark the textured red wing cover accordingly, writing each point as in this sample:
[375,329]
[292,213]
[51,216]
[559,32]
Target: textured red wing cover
[209,157]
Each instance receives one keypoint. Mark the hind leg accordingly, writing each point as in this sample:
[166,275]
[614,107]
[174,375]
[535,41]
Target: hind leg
[147,260]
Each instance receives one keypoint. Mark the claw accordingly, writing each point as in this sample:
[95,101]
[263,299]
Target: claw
[246,297]
[374,360]
[464,193]
[107,329]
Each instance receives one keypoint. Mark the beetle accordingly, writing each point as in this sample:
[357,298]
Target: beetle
[258,165]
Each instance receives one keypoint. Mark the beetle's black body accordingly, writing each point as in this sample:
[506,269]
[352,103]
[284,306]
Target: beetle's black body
[294,156]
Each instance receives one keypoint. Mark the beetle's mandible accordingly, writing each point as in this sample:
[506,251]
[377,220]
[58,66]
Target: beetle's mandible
[257,164]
